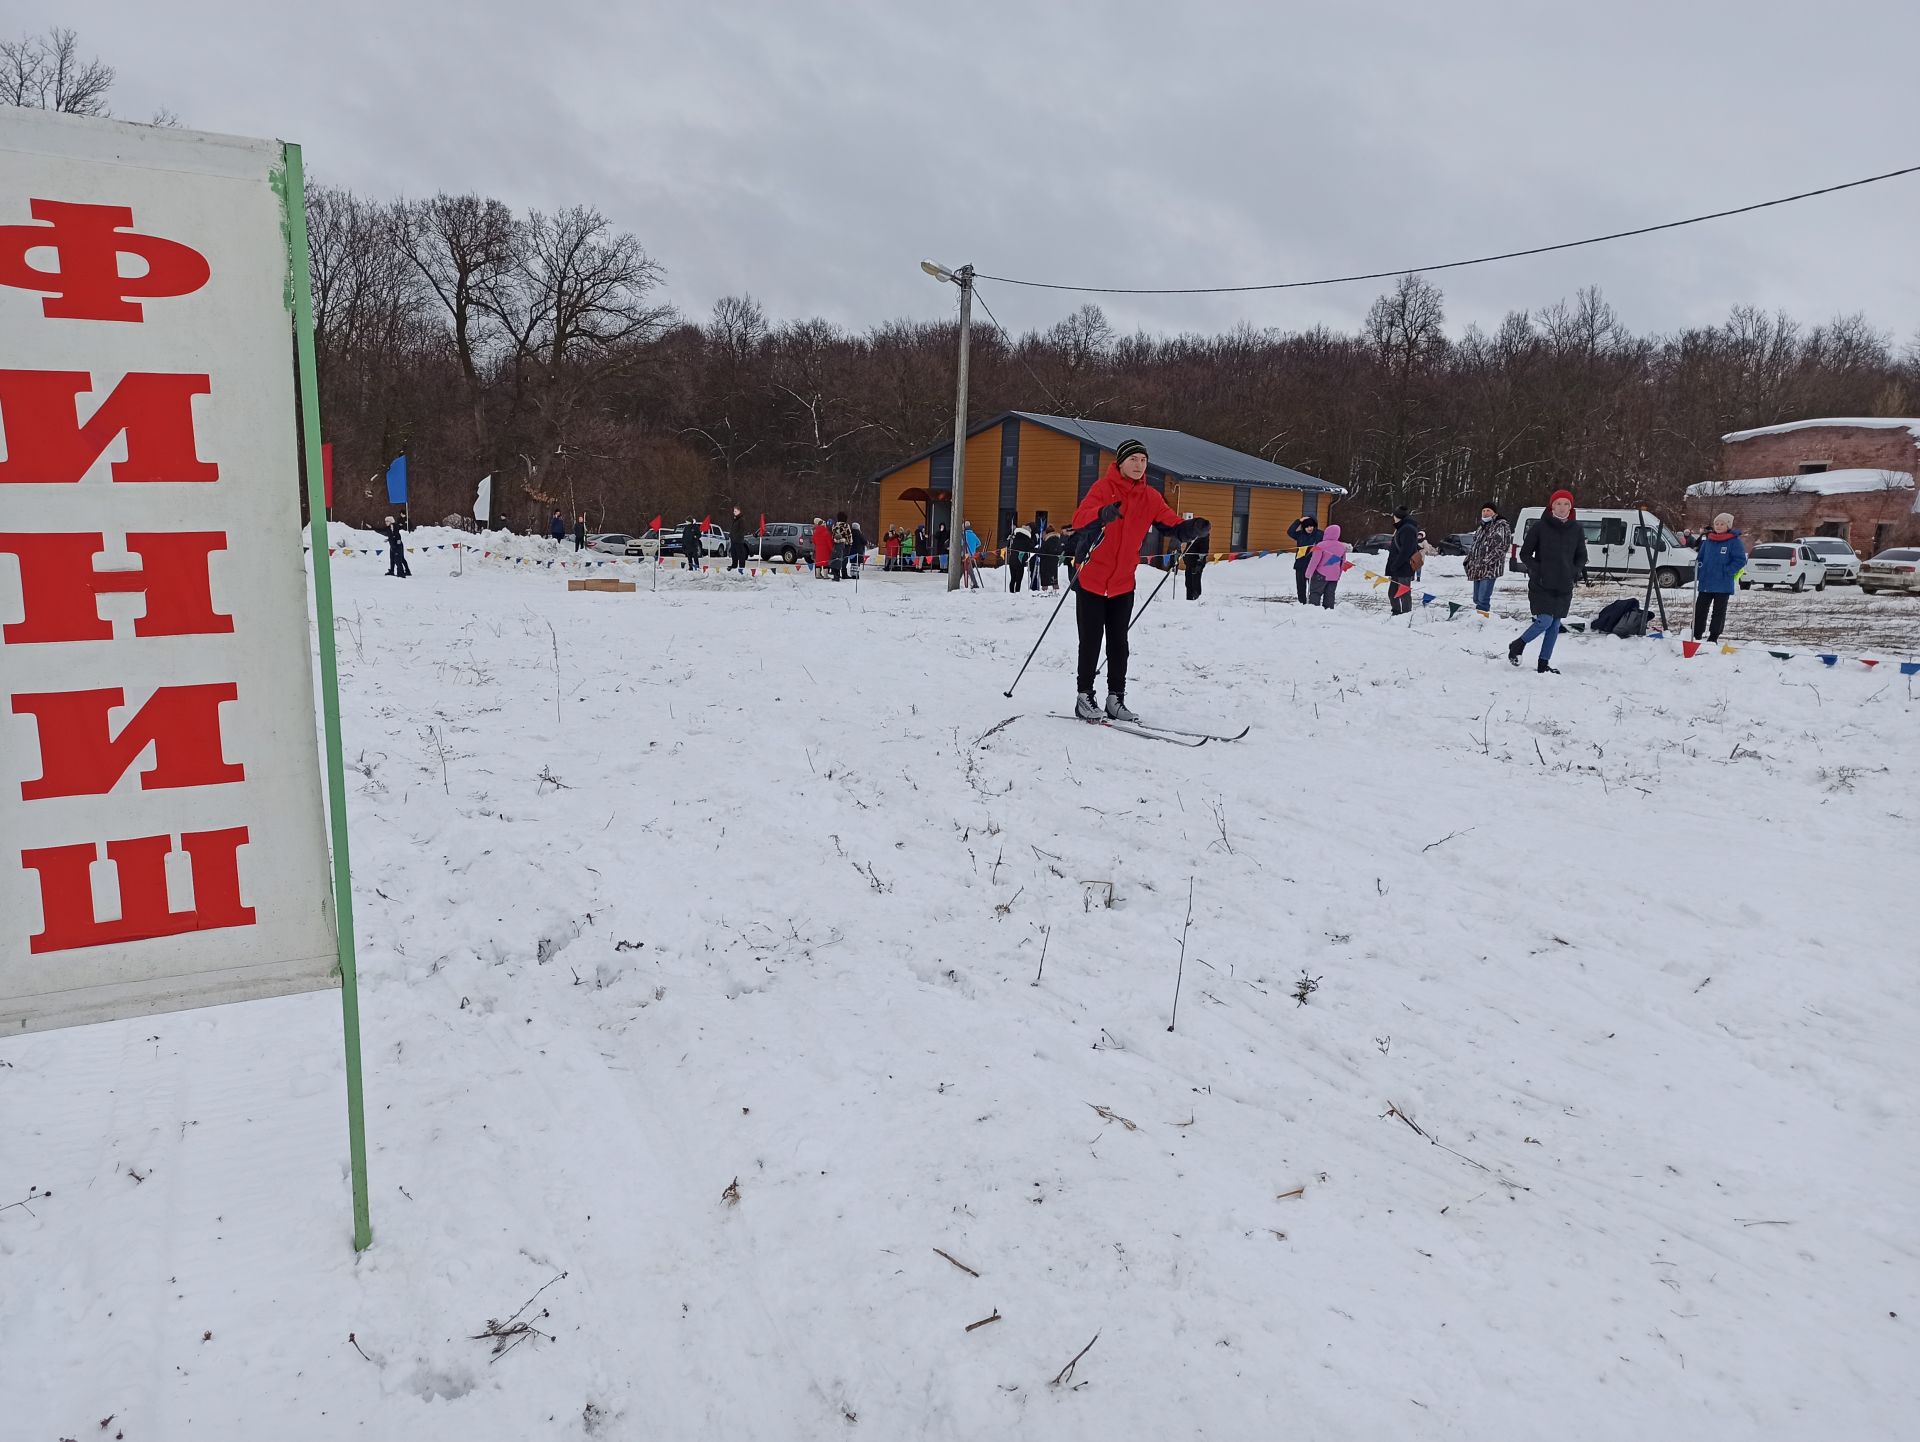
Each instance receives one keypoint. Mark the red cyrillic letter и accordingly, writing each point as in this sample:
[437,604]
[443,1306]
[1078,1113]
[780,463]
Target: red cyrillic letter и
[80,755]
[47,444]
[58,583]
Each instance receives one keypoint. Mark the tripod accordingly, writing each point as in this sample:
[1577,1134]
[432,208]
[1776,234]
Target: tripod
[1656,544]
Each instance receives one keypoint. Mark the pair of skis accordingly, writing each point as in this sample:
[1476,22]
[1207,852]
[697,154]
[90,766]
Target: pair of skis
[1173,735]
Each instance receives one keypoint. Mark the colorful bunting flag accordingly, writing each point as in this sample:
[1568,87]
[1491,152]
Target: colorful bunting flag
[1689,649]
[1829,659]
[1909,668]
[1781,655]
[1427,598]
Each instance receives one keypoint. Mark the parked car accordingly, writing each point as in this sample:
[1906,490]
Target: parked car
[1378,543]
[1843,564]
[787,541]
[1784,563]
[612,543]
[1896,570]
[713,542]
[1459,543]
[1619,544]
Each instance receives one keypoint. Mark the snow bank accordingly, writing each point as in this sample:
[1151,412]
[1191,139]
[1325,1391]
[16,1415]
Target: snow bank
[1819,483]
[703,984]
[1868,422]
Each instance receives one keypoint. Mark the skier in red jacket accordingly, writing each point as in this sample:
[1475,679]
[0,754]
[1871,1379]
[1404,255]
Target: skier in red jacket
[1108,529]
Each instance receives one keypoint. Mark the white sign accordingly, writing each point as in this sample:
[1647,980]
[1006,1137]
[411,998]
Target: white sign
[161,832]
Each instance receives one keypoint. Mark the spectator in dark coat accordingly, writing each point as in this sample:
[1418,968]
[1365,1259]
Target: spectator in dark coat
[397,550]
[1019,549]
[580,532]
[1555,555]
[1305,535]
[737,541]
[1487,556]
[1401,565]
[557,528]
[690,544]
[1048,576]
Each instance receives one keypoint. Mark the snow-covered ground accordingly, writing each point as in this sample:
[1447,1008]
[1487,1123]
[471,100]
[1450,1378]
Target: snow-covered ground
[701,942]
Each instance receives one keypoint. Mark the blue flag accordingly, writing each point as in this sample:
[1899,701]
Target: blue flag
[397,482]
[1909,668]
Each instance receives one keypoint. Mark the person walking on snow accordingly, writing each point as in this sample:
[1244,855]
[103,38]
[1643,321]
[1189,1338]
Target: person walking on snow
[1722,555]
[1193,562]
[1487,556]
[580,532]
[737,541]
[1108,529]
[1401,565]
[1046,576]
[690,544]
[1555,555]
[1326,563]
[1305,535]
[557,528]
[397,550]
[1019,546]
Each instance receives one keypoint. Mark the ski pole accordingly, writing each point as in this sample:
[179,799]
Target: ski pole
[1043,636]
[1177,562]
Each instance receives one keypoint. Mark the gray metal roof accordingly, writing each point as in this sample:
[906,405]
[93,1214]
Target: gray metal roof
[1187,457]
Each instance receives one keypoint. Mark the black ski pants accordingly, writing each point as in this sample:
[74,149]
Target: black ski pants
[1716,603]
[1300,578]
[1016,570]
[1400,594]
[1103,617]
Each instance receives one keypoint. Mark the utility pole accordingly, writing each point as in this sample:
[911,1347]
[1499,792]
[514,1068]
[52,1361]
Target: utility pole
[957,509]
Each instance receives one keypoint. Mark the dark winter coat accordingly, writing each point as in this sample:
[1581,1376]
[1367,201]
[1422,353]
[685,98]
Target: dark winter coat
[1305,533]
[690,539]
[1487,556]
[558,529]
[1555,555]
[737,532]
[395,545]
[1722,554]
[1406,540]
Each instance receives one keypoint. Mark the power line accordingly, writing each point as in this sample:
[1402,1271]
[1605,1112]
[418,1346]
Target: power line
[1451,264]
[1013,350]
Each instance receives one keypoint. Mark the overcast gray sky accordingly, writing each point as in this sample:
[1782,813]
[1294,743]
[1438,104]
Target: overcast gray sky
[811,154]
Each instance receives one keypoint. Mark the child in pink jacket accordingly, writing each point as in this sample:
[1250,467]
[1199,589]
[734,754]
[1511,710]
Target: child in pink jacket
[1325,563]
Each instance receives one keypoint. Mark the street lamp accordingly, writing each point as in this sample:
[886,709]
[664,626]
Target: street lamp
[957,526]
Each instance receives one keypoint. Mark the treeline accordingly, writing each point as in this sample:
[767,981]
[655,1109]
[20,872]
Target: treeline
[540,348]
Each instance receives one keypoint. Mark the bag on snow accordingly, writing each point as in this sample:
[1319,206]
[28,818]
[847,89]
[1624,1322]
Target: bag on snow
[1625,617]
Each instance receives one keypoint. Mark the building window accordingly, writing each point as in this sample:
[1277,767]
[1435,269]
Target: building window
[1006,528]
[1832,528]
[1779,533]
[1089,467]
[1812,468]
[1882,536]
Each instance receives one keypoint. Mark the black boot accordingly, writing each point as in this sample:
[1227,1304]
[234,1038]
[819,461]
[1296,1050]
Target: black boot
[1545,670]
[1514,650]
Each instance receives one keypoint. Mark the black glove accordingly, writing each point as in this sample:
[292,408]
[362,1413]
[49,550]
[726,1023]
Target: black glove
[1188,532]
[1084,540]
[1108,514]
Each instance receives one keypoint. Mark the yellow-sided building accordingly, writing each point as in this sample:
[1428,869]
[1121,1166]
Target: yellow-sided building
[1023,467]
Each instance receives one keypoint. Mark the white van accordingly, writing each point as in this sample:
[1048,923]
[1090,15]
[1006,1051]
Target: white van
[1619,545]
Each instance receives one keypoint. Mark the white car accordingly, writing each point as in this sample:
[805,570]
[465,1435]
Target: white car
[611,543]
[1843,562]
[1784,563]
[1896,570]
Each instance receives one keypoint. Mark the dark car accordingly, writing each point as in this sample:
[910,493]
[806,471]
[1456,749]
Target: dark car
[1458,544]
[1380,542]
[787,541]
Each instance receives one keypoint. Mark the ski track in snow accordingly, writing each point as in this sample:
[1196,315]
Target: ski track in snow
[1627,943]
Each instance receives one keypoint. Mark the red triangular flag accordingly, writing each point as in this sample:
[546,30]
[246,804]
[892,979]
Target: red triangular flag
[656,524]
[1689,648]
[1868,661]
[706,525]
[763,523]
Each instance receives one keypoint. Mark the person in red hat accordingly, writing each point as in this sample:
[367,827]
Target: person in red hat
[1555,557]
[1108,529]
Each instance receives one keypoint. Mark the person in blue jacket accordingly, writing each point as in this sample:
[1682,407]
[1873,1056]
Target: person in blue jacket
[1721,558]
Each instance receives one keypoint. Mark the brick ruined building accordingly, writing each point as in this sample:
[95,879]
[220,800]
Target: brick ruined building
[1846,477]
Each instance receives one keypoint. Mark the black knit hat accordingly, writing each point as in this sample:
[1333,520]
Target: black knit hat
[1128,448]
[1401,513]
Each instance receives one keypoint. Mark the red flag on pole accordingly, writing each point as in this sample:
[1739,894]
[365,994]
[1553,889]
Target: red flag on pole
[326,470]
[656,524]
[763,523]
[706,524]
[1689,648]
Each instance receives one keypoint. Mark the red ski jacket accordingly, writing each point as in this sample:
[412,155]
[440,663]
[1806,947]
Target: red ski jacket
[1116,555]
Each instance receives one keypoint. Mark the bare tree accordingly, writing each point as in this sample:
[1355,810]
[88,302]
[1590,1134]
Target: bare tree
[45,72]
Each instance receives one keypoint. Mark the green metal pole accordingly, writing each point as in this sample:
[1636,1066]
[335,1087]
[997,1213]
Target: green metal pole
[296,203]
